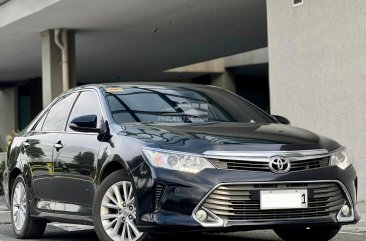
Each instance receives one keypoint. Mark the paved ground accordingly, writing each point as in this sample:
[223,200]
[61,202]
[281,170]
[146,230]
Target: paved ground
[77,233]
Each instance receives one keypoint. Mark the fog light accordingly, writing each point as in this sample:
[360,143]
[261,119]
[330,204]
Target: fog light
[345,210]
[201,215]
[346,214]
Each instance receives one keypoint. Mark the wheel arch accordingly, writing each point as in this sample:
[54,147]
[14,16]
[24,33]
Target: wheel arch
[111,165]
[12,176]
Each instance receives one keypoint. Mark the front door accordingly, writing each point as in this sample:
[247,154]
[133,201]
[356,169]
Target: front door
[76,159]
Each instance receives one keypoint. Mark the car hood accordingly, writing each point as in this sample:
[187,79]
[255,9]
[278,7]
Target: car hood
[224,136]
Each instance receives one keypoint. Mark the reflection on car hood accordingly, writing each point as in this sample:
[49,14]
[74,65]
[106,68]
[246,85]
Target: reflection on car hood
[224,136]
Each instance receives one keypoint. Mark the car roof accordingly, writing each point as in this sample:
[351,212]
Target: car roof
[126,84]
[136,84]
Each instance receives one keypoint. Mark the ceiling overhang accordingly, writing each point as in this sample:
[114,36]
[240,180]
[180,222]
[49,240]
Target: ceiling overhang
[131,39]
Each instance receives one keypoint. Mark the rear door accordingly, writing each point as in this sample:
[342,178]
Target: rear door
[75,163]
[38,150]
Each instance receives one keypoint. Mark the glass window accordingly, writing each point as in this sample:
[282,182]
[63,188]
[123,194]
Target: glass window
[39,125]
[86,104]
[188,104]
[138,102]
[56,117]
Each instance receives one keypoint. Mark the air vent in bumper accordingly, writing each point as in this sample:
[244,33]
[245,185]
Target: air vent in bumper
[159,192]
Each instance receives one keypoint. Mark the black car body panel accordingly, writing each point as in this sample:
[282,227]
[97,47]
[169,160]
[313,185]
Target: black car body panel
[63,182]
[199,138]
[175,205]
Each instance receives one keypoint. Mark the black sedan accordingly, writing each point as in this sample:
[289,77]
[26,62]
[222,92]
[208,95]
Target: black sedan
[135,159]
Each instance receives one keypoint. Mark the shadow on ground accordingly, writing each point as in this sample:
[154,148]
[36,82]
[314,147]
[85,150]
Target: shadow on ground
[57,234]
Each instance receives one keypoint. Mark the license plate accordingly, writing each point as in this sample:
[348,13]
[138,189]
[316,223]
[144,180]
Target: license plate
[283,199]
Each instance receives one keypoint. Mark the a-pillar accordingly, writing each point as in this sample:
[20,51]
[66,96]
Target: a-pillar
[52,84]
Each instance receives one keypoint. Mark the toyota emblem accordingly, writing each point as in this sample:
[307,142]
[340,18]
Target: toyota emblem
[279,164]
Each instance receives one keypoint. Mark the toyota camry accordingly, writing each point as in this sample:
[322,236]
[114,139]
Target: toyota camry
[138,159]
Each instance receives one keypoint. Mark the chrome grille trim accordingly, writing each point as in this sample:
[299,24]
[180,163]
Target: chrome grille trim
[264,155]
[226,223]
[250,165]
[326,200]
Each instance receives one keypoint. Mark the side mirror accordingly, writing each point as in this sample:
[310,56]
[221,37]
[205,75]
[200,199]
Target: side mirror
[282,120]
[85,123]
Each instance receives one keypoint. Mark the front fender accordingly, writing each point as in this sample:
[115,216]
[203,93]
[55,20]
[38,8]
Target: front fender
[110,162]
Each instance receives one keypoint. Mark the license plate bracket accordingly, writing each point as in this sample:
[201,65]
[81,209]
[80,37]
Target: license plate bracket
[283,199]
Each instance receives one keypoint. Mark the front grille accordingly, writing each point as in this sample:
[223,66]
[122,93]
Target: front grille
[235,202]
[244,165]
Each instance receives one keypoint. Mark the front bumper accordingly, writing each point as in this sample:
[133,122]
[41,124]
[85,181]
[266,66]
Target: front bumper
[168,200]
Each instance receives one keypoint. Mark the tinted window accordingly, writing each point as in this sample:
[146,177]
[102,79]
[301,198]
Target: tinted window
[56,117]
[86,104]
[39,125]
[188,104]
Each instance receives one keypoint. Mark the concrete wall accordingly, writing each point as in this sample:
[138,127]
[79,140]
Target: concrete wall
[317,56]
[8,110]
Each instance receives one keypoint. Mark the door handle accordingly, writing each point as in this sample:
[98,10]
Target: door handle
[58,146]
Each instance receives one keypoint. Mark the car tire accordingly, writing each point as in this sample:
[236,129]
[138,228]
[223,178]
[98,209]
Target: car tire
[24,226]
[318,233]
[115,209]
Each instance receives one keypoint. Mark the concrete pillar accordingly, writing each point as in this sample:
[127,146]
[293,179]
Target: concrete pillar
[224,80]
[52,65]
[317,56]
[9,121]
[72,57]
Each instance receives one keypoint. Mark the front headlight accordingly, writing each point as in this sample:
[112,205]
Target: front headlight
[341,158]
[178,161]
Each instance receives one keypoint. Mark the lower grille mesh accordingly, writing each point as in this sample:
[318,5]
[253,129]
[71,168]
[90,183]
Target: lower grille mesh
[241,202]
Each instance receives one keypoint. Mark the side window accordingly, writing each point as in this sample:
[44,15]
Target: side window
[39,125]
[56,117]
[86,104]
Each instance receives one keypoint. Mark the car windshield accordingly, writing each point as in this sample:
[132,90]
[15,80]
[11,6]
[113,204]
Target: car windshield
[188,104]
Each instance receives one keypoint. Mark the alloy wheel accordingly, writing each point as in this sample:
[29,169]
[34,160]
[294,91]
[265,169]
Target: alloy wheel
[19,211]
[118,212]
